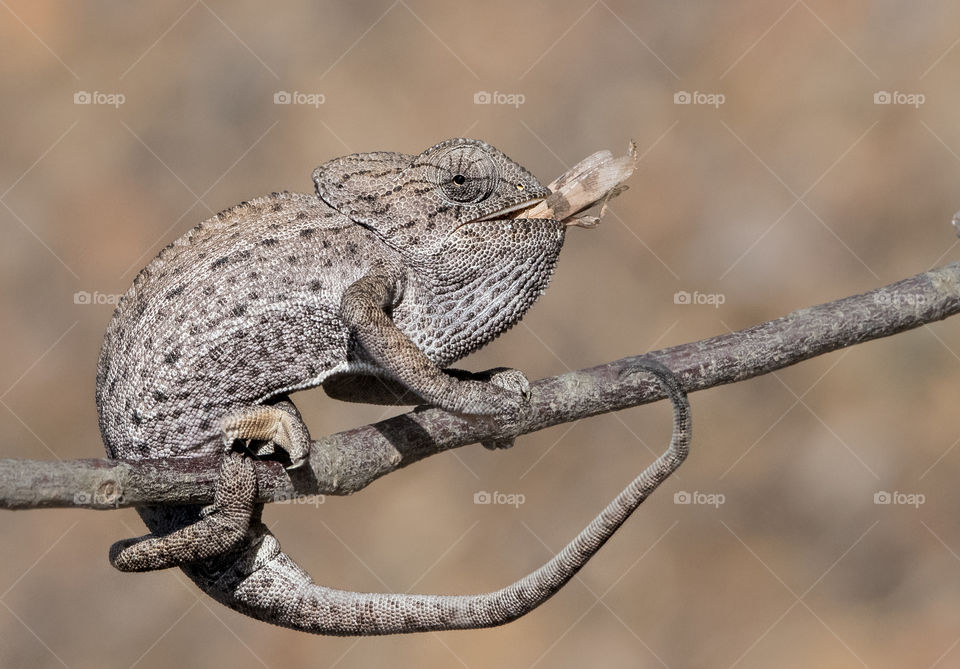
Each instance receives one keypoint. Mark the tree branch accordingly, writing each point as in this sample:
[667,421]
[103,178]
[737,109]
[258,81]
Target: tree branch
[349,461]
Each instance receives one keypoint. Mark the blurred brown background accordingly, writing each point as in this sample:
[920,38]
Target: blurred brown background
[795,190]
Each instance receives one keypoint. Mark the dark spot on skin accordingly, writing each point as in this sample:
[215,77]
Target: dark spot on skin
[172,357]
[243,255]
[137,419]
[220,262]
[209,290]
[326,244]
[307,232]
[269,241]
[439,210]
[315,285]
[205,424]
[302,216]
[159,396]
[292,259]
[239,310]
[276,206]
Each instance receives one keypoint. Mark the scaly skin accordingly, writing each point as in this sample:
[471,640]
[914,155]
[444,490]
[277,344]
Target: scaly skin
[401,266]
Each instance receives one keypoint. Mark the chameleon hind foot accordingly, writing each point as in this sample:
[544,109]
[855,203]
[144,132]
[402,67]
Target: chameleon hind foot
[274,426]
[221,529]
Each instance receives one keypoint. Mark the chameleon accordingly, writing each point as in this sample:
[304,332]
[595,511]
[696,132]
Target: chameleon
[371,287]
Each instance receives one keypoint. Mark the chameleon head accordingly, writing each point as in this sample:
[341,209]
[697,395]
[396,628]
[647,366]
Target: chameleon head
[417,203]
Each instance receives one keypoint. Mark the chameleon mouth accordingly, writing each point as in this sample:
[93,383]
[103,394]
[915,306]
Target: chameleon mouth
[513,211]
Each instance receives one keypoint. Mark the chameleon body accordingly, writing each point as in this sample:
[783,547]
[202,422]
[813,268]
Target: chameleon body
[398,266]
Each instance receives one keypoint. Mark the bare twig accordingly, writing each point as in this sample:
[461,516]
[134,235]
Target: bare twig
[346,462]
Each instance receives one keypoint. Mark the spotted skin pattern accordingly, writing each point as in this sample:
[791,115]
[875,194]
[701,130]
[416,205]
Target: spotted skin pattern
[397,267]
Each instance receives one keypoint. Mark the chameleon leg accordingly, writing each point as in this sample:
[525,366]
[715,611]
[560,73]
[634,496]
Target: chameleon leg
[369,389]
[509,379]
[363,309]
[262,581]
[277,424]
[221,529]
[222,526]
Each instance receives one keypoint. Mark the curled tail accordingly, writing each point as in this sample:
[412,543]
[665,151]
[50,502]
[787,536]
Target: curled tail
[258,579]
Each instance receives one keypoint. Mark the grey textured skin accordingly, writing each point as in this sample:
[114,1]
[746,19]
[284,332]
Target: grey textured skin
[401,266]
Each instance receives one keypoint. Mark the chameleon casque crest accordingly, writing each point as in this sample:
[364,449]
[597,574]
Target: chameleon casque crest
[396,267]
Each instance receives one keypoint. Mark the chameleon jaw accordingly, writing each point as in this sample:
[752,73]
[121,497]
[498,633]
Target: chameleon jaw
[512,211]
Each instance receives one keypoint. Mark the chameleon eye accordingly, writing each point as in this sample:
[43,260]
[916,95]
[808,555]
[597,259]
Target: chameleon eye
[465,174]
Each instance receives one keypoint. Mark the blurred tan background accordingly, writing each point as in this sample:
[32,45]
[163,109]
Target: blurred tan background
[793,189]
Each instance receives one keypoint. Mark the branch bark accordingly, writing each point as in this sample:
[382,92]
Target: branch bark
[343,463]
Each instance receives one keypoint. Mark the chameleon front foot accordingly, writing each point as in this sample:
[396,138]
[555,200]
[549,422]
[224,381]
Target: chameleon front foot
[516,382]
[219,531]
